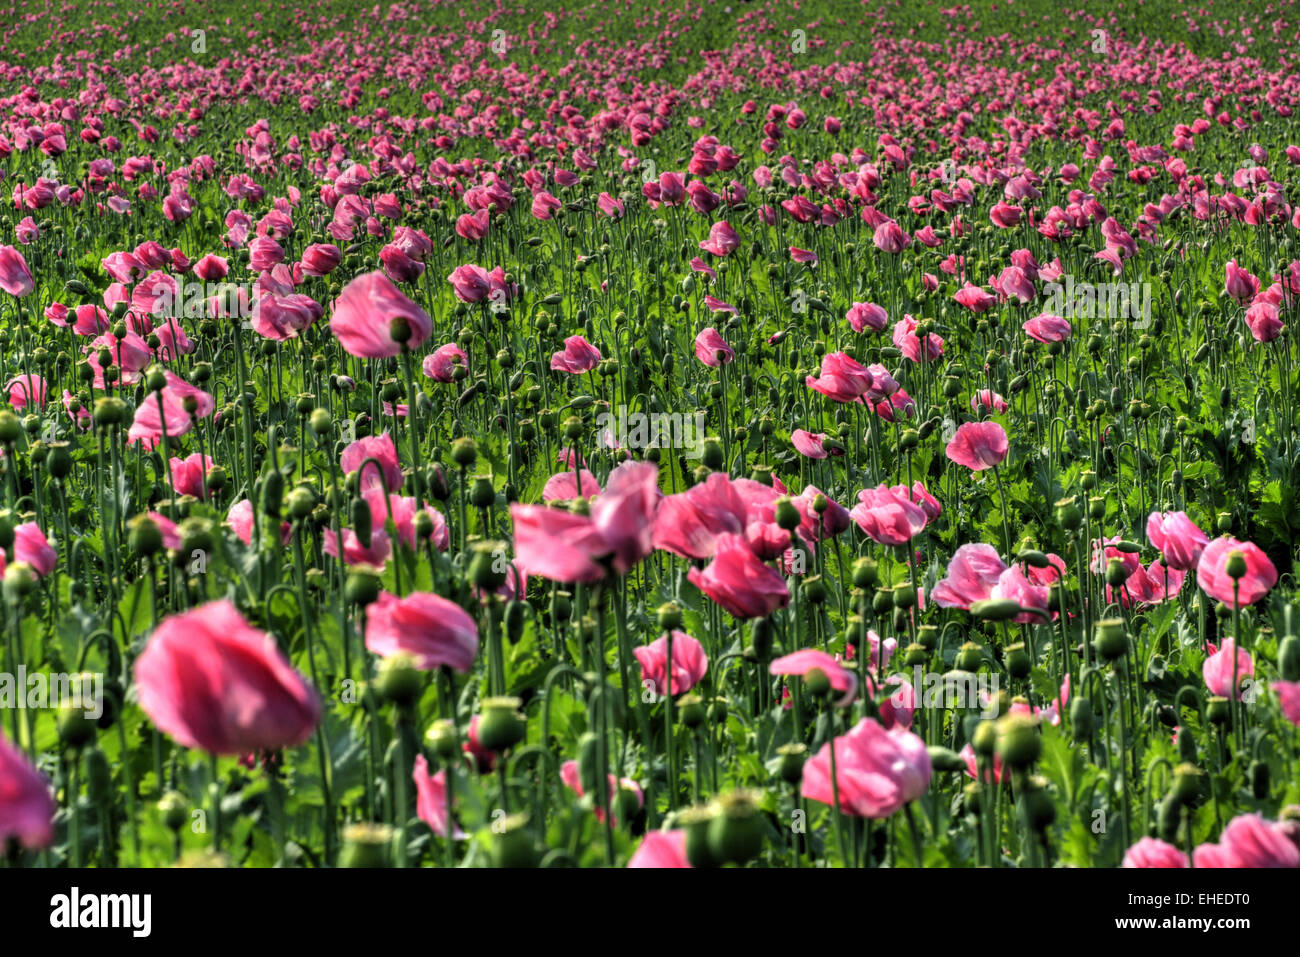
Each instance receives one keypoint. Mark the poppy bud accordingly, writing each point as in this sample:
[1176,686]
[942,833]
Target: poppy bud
[515,845]
[787,515]
[1081,718]
[1017,661]
[501,724]
[691,711]
[736,831]
[817,683]
[173,808]
[361,586]
[670,616]
[1186,745]
[1110,640]
[866,573]
[464,452]
[1116,574]
[695,822]
[397,680]
[442,740]
[1018,741]
[1218,710]
[792,758]
[969,657]
[928,636]
[145,537]
[75,729]
[985,739]
[1288,658]
[366,845]
[1067,514]
[1235,567]
[1188,781]
[995,609]
[487,566]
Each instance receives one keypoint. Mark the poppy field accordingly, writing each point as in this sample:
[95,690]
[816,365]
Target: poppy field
[683,434]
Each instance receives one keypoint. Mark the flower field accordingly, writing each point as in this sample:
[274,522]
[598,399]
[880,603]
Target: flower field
[684,434]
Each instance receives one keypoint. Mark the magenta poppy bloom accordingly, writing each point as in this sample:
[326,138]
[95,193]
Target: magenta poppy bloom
[1178,538]
[380,448]
[398,266]
[1239,284]
[557,545]
[610,206]
[690,523]
[803,255]
[440,364]
[811,444]
[1212,575]
[1150,852]
[739,582]
[842,378]
[27,805]
[366,316]
[1249,841]
[211,681]
[712,349]
[473,226]
[1227,664]
[1004,215]
[321,259]
[910,344]
[978,445]
[1047,328]
[1014,585]
[811,659]
[688,666]
[661,849]
[829,523]
[572,779]
[565,486]
[722,240]
[403,510]
[889,237]
[577,357]
[989,401]
[876,771]
[471,283]
[616,535]
[188,474]
[431,800]
[31,546]
[1288,699]
[973,572]
[1147,586]
[974,298]
[27,389]
[15,277]
[867,315]
[887,518]
[433,630]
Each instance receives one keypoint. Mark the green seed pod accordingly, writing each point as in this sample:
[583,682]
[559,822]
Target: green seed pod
[273,493]
[1081,718]
[736,831]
